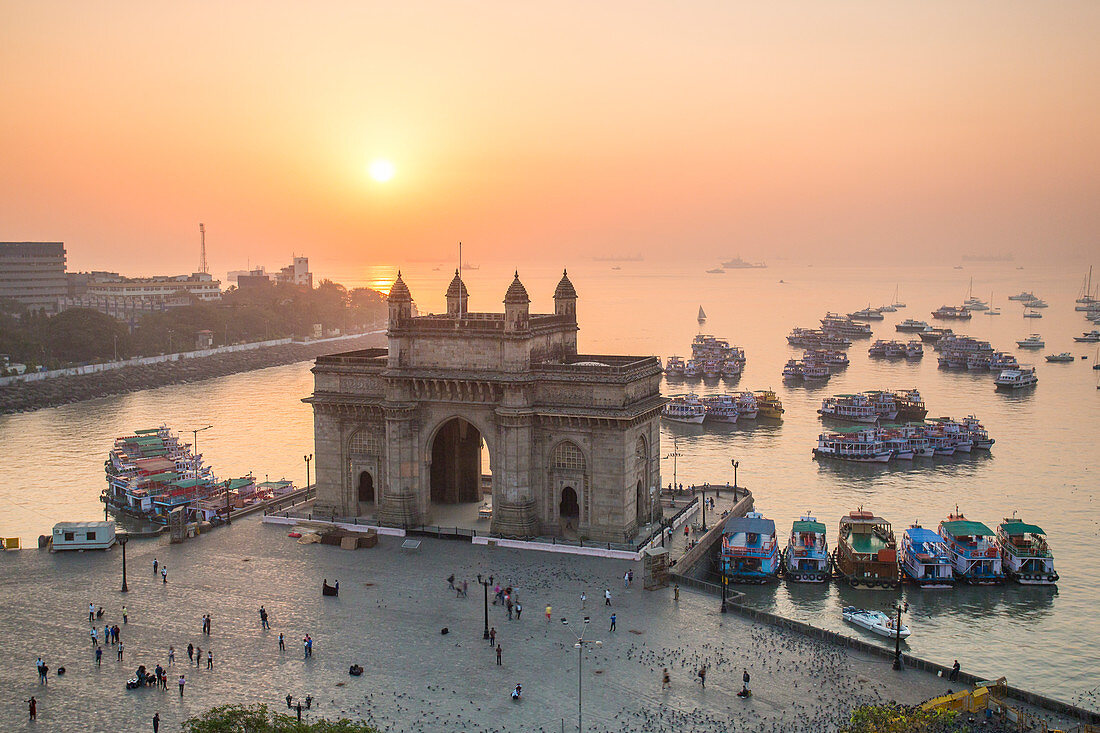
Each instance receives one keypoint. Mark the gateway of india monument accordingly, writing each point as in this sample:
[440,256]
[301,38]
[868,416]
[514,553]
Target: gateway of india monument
[573,439]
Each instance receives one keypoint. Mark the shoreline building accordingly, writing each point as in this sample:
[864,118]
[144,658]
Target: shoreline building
[33,273]
[296,273]
[573,439]
[128,298]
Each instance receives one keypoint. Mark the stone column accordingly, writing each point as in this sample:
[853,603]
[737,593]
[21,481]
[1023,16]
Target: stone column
[328,450]
[514,508]
[401,501]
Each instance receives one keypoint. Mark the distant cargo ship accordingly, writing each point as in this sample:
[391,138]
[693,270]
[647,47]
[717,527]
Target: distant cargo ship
[619,258]
[739,264]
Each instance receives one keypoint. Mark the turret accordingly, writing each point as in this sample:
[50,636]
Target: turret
[400,302]
[457,297]
[517,307]
[565,298]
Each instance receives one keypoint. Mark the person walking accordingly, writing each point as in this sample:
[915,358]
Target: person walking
[451,581]
[91,612]
[263,618]
[607,597]
[282,643]
[508,606]
[612,623]
[198,656]
[164,577]
[156,717]
[191,652]
[519,610]
[120,651]
[98,656]
[703,676]
[954,671]
[745,679]
[305,647]
[676,592]
[666,681]
[210,660]
[182,681]
[125,618]
[464,586]
[32,708]
[155,567]
[95,638]
[492,636]
[547,614]
[498,656]
[626,580]
[171,655]
[584,599]
[106,634]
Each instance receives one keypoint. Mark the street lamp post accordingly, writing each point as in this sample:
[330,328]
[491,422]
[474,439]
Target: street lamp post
[580,647]
[307,459]
[122,541]
[735,465]
[485,585]
[195,434]
[674,455]
[898,607]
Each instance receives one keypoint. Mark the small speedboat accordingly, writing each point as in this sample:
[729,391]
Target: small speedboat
[876,622]
[1064,356]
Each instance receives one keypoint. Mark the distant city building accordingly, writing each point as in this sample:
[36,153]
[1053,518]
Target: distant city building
[33,273]
[296,273]
[76,283]
[200,285]
[232,277]
[129,298]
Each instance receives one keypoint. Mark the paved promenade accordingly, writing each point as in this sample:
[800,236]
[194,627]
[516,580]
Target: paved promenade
[392,606]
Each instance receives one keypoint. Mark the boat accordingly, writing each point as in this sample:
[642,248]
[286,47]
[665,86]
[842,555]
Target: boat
[911,325]
[867,314]
[992,310]
[925,559]
[952,312]
[749,552]
[1035,303]
[816,338]
[1087,300]
[1025,555]
[739,264]
[768,405]
[910,405]
[674,366]
[845,326]
[828,357]
[858,445]
[974,304]
[716,271]
[746,405]
[897,303]
[1000,361]
[914,350]
[884,402]
[720,408]
[976,432]
[792,369]
[1060,358]
[886,309]
[702,318]
[806,559]
[866,552]
[1023,296]
[813,371]
[856,408]
[1032,314]
[934,335]
[876,622]
[975,555]
[890,349]
[684,408]
[1033,341]
[1089,337]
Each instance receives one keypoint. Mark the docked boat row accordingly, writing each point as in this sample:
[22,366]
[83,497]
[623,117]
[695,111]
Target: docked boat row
[710,357]
[897,350]
[869,555]
[873,406]
[845,326]
[723,408]
[151,473]
[941,436]
[812,338]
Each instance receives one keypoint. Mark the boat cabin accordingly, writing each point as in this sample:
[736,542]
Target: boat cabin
[83,536]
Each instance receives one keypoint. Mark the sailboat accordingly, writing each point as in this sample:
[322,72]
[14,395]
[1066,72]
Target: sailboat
[974,304]
[897,303]
[702,316]
[993,310]
[1087,301]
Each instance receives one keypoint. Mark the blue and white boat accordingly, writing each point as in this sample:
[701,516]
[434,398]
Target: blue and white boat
[975,554]
[925,559]
[806,559]
[750,553]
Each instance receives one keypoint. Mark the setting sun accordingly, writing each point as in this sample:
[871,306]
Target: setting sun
[381,170]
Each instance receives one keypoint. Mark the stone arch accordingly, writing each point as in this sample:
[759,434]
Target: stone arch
[453,456]
[568,456]
[365,453]
[569,507]
[641,459]
[364,488]
[568,469]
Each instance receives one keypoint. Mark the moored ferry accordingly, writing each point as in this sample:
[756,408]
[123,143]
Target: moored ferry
[1021,377]
[849,408]
[817,338]
[975,556]
[925,560]
[911,325]
[806,559]
[750,552]
[914,350]
[746,405]
[866,552]
[859,445]
[684,408]
[845,326]
[933,335]
[952,312]
[674,366]
[768,404]
[910,405]
[867,314]
[1025,555]
[720,408]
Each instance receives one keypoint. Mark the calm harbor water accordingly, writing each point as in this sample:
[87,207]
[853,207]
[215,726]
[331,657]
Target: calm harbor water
[1042,466]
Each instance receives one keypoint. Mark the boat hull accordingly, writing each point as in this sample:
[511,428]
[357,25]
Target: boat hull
[877,458]
[693,420]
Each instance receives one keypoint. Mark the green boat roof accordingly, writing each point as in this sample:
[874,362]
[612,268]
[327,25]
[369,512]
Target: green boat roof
[163,477]
[146,431]
[237,483]
[1017,527]
[804,526]
[966,527]
[189,483]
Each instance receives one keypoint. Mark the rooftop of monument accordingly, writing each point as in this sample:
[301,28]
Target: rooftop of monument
[480,322]
[591,364]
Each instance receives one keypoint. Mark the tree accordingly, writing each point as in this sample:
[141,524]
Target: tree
[83,334]
[894,718]
[258,719]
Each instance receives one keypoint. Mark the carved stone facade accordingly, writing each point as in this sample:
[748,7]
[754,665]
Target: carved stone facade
[573,440]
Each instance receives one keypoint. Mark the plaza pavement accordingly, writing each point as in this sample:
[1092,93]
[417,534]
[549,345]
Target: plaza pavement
[388,618]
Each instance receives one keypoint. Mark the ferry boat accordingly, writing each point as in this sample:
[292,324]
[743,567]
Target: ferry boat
[867,314]
[1000,361]
[674,366]
[911,325]
[1021,377]
[1065,356]
[933,335]
[866,552]
[979,361]
[952,312]
[888,308]
[684,408]
[1035,303]
[1034,341]
[1090,337]
[150,473]
[746,405]
[975,555]
[976,432]
[849,408]
[914,350]
[876,622]
[1025,555]
[925,559]
[918,442]
[739,264]
[828,357]
[957,433]
[1023,296]
[816,338]
[898,443]
[911,406]
[720,408]
[731,368]
[845,326]
[768,405]
[812,371]
[750,552]
[806,559]
[859,445]
[889,349]
[885,404]
[792,369]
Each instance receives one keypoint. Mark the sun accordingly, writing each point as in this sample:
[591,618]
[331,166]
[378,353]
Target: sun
[381,170]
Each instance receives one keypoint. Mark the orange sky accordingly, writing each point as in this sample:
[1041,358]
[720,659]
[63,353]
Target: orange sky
[536,130]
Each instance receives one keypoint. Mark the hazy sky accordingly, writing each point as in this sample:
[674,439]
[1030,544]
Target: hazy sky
[548,130]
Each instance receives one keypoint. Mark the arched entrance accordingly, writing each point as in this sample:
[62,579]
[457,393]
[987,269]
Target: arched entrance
[456,463]
[366,488]
[569,508]
[640,506]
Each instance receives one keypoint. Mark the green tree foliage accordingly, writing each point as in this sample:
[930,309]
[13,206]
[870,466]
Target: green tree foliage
[83,334]
[893,718]
[258,719]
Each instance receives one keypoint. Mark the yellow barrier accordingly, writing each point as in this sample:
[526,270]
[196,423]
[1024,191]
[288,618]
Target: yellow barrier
[11,543]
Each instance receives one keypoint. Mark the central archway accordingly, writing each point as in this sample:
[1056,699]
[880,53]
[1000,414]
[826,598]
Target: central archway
[456,463]
[569,508]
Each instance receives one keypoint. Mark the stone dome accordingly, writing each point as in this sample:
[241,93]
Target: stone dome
[565,288]
[399,291]
[457,288]
[516,292]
